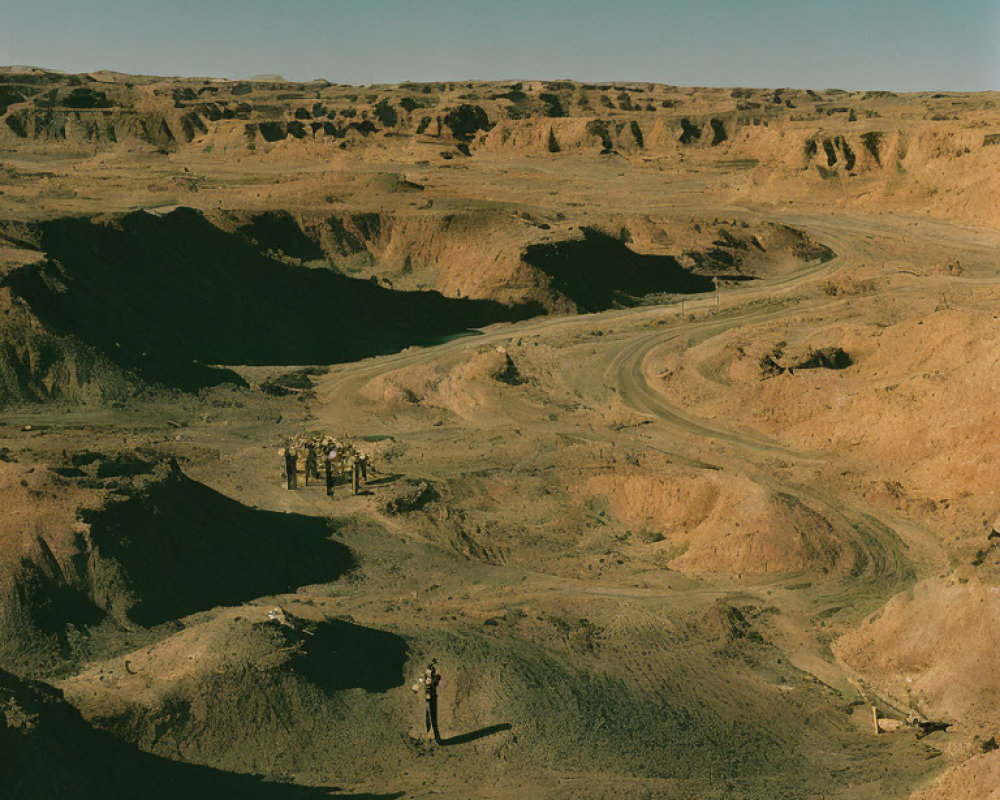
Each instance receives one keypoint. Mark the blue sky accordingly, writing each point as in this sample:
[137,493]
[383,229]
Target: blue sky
[850,44]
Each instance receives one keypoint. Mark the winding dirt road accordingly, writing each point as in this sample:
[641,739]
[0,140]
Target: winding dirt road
[889,552]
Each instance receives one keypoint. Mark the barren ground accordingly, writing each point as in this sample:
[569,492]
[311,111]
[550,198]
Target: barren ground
[664,541]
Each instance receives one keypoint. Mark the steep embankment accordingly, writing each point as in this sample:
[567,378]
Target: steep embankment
[162,296]
[670,698]
[100,548]
[551,259]
[933,650]
[103,304]
[598,271]
[37,364]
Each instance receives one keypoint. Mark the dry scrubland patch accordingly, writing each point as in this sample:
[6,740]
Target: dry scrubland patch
[244,693]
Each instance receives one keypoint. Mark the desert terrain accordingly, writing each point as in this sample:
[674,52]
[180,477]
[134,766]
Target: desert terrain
[681,406]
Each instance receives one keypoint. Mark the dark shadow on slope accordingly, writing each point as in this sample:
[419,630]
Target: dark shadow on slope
[278,231]
[825,358]
[341,655]
[599,272]
[170,546]
[472,736]
[165,295]
[50,751]
[46,606]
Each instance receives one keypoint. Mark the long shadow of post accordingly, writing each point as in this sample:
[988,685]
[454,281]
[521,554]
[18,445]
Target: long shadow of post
[472,736]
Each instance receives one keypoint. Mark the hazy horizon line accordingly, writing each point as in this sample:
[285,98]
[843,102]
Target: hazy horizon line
[266,77]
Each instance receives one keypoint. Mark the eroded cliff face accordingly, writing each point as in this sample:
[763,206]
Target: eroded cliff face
[920,152]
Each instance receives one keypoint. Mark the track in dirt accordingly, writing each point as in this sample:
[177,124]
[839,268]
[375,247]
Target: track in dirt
[730,663]
[887,552]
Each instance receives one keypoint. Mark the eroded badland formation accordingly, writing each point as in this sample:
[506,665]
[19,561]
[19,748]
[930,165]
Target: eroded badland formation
[663,540]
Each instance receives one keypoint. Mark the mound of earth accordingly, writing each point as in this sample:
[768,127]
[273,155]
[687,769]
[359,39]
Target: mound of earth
[248,693]
[713,524]
[468,389]
[893,408]
[932,650]
[50,751]
[115,545]
[239,691]
[977,778]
